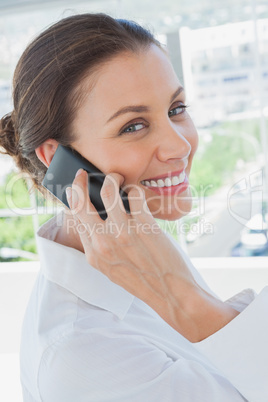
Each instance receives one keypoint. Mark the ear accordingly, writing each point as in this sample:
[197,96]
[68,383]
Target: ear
[46,151]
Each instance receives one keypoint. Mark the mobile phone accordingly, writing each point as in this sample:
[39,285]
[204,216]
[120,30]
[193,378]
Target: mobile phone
[61,173]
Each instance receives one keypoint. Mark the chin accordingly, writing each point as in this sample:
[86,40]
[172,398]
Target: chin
[170,216]
[172,212]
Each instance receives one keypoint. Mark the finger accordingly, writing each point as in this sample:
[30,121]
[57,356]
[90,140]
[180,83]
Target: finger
[80,205]
[79,201]
[146,223]
[81,229]
[111,198]
[138,204]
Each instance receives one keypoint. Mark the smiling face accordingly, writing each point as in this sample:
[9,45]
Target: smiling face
[133,121]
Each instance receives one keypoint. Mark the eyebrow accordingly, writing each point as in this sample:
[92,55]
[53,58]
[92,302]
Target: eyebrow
[140,108]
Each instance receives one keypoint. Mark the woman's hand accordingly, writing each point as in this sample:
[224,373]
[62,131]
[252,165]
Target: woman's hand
[133,252]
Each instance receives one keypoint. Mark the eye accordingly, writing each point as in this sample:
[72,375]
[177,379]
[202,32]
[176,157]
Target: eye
[132,128]
[177,110]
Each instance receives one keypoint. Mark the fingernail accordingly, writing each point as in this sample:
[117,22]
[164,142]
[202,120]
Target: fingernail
[69,195]
[79,171]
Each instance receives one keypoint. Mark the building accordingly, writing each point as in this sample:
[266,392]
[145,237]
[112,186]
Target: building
[221,66]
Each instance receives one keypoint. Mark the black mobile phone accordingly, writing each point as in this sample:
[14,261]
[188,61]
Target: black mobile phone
[61,173]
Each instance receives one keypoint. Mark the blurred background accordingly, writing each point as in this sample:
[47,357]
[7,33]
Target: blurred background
[220,53]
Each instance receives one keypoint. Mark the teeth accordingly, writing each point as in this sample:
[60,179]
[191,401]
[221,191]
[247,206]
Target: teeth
[182,176]
[175,180]
[168,182]
[160,183]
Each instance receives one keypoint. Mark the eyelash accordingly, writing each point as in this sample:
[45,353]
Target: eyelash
[124,130]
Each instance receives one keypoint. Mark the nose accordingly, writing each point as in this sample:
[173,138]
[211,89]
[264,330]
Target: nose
[173,143]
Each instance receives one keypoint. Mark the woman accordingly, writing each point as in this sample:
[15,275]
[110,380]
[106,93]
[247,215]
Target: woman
[118,313]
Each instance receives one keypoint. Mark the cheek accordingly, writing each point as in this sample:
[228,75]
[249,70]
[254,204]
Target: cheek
[128,160]
[193,139]
[195,143]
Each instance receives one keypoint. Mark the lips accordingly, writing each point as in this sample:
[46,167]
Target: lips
[166,175]
[173,186]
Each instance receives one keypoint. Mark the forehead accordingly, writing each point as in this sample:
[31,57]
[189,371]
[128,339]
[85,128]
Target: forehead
[129,76]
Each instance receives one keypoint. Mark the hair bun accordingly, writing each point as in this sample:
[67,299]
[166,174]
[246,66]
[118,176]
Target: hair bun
[9,140]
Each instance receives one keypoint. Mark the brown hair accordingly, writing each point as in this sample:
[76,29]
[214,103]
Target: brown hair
[47,75]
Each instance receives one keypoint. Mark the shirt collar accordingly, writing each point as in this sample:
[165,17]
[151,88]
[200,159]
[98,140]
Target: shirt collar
[68,267]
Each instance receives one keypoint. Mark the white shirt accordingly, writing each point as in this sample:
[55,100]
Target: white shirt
[85,339]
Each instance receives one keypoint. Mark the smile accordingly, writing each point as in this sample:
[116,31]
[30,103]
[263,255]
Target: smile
[165,182]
